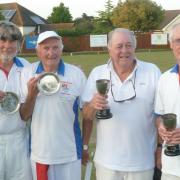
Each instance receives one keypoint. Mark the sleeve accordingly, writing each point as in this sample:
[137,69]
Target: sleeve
[90,88]
[159,108]
[82,80]
[25,76]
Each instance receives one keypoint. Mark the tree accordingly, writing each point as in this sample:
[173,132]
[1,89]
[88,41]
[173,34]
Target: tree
[84,24]
[1,16]
[103,23]
[60,14]
[138,15]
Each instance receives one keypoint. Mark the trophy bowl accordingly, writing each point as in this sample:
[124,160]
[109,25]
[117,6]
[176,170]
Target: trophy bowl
[169,121]
[102,86]
[48,83]
[10,103]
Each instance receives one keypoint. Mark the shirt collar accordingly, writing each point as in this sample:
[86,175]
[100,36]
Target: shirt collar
[132,74]
[60,71]
[17,62]
[175,69]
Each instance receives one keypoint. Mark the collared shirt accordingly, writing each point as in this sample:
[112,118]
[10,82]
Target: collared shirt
[126,142]
[11,82]
[55,130]
[168,101]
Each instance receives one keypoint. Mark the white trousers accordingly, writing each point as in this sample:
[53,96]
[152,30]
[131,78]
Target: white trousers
[14,157]
[103,173]
[66,171]
[169,177]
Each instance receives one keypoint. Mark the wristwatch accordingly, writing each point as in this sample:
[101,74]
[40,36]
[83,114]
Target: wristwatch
[85,147]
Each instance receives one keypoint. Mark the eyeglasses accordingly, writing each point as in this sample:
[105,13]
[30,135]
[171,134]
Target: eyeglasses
[12,37]
[127,93]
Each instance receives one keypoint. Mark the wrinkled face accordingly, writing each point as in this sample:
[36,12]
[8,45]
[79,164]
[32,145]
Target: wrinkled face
[8,50]
[121,49]
[49,52]
[175,44]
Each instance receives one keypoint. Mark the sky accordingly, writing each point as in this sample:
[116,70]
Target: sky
[78,7]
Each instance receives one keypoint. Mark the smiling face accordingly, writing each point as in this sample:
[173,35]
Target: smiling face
[8,50]
[49,52]
[121,49]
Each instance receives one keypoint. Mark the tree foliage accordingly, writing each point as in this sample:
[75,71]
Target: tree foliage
[103,23]
[84,24]
[138,15]
[60,14]
[1,16]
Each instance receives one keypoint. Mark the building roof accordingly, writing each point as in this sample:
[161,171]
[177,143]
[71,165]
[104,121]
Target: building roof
[20,15]
[170,15]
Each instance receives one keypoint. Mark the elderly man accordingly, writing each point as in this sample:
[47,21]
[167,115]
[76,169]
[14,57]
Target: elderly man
[168,101]
[126,142]
[55,134]
[14,159]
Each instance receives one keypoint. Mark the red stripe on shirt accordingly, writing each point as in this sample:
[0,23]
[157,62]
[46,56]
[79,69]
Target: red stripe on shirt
[5,72]
[42,171]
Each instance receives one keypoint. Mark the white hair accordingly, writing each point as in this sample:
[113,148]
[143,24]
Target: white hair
[171,32]
[122,30]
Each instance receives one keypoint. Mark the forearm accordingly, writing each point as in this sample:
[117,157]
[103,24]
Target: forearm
[88,112]
[86,131]
[27,108]
[87,127]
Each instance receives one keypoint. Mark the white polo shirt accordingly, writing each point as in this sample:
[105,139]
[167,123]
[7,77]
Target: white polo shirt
[55,130]
[168,101]
[11,123]
[126,142]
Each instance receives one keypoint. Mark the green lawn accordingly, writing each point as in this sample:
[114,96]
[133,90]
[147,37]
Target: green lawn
[163,59]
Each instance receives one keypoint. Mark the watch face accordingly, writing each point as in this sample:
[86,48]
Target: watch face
[85,147]
[48,83]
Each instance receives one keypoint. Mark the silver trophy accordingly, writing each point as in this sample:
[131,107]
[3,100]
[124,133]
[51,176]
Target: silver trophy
[10,103]
[48,83]
[170,121]
[102,86]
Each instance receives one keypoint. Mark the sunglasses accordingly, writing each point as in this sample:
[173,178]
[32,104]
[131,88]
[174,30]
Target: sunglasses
[127,97]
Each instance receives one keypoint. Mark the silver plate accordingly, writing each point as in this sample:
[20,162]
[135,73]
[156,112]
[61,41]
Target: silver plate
[48,83]
[10,103]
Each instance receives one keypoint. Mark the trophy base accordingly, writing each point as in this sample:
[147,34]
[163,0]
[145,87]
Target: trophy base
[104,114]
[172,150]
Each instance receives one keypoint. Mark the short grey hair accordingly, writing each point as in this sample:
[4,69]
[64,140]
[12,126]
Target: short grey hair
[171,32]
[10,32]
[122,30]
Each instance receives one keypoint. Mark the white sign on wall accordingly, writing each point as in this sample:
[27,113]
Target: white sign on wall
[159,39]
[98,40]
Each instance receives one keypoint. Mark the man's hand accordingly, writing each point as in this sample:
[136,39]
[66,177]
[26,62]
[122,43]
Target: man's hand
[175,138]
[85,157]
[164,134]
[32,87]
[99,102]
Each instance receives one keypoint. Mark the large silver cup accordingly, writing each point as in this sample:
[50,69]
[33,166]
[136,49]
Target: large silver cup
[103,86]
[48,83]
[169,121]
[10,103]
